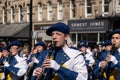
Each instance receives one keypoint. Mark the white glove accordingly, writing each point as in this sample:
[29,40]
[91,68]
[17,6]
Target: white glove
[30,63]
[6,64]
[54,65]
[34,72]
[36,60]
[88,51]
[114,60]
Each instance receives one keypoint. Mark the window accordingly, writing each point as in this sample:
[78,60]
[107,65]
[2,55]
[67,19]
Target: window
[20,16]
[105,8]
[28,13]
[73,37]
[60,10]
[88,8]
[39,12]
[72,9]
[12,15]
[4,16]
[49,11]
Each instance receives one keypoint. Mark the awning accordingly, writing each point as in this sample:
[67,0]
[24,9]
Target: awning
[20,30]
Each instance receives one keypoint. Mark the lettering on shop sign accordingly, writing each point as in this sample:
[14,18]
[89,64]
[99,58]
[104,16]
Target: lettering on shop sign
[88,25]
[41,27]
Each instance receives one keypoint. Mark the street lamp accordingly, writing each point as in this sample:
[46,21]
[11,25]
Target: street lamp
[30,29]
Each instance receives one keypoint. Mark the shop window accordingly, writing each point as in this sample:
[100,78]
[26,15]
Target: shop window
[102,37]
[92,37]
[73,37]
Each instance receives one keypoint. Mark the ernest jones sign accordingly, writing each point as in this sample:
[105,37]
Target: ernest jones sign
[88,25]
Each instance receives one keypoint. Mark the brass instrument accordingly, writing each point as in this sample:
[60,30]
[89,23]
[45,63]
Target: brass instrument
[43,75]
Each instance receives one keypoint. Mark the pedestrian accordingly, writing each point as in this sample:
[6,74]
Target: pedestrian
[64,63]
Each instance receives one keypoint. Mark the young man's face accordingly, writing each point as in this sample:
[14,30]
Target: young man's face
[116,40]
[5,53]
[14,50]
[59,38]
[83,49]
[108,47]
[39,48]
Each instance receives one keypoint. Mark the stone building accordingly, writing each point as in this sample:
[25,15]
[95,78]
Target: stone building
[88,19]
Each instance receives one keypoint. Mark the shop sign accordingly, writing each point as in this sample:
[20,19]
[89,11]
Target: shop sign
[41,27]
[88,25]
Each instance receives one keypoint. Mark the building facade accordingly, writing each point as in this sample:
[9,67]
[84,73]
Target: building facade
[88,19]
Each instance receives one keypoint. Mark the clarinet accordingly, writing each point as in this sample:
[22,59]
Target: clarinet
[29,72]
[43,75]
[111,53]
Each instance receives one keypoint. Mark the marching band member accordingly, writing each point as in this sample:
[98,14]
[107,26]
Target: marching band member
[89,60]
[101,62]
[65,63]
[109,65]
[5,55]
[16,65]
[87,49]
[34,58]
[39,47]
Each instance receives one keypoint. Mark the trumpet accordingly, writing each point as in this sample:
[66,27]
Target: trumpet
[43,75]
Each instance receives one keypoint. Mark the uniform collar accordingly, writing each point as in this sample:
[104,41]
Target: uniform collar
[65,47]
[119,50]
[16,56]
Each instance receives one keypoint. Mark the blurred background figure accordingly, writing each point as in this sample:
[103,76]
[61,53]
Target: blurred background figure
[34,58]
[108,65]
[5,55]
[89,60]
[15,65]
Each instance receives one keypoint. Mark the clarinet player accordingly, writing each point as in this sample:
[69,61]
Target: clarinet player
[65,63]
[115,57]
[16,65]
[109,65]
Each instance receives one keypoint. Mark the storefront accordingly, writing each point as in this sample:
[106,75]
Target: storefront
[94,31]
